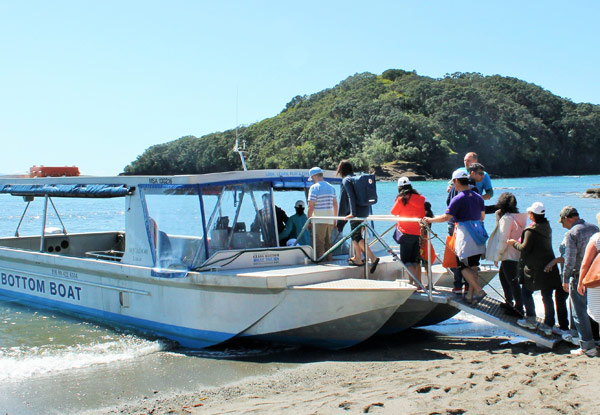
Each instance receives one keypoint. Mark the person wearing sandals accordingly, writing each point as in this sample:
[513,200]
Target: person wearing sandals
[536,252]
[350,209]
[409,204]
[509,224]
[468,209]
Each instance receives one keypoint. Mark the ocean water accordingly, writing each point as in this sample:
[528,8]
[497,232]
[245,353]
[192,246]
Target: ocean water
[51,363]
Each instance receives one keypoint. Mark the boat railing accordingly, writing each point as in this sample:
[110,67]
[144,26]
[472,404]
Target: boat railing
[366,224]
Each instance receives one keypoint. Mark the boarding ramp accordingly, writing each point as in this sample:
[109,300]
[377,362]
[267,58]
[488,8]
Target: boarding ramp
[489,310]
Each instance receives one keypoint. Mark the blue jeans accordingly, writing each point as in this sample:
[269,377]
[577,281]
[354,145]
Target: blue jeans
[580,315]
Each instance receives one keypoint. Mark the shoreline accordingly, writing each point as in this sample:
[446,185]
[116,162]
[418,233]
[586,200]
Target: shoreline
[418,372]
[492,176]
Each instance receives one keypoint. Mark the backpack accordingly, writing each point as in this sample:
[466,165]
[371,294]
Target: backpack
[365,189]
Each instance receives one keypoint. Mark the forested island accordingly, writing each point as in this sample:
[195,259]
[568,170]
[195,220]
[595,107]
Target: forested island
[401,118]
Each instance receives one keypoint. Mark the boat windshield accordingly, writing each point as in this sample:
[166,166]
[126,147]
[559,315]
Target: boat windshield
[174,225]
[240,216]
[235,216]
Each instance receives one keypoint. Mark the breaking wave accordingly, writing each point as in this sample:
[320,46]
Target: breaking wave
[18,363]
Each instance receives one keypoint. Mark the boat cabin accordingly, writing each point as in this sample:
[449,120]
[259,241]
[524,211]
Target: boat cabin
[173,224]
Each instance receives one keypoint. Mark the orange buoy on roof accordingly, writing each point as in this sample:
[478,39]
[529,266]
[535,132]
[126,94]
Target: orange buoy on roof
[47,171]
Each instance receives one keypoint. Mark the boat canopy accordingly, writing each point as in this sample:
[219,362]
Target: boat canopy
[68,190]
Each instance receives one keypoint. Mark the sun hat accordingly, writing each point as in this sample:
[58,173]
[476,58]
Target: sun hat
[313,171]
[459,174]
[567,212]
[537,207]
[403,181]
[299,203]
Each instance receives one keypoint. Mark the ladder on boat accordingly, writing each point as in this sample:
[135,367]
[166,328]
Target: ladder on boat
[489,310]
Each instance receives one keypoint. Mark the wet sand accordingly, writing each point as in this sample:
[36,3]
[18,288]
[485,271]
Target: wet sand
[416,372]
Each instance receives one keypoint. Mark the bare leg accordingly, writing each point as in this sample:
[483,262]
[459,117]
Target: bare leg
[470,274]
[415,270]
[370,253]
[357,258]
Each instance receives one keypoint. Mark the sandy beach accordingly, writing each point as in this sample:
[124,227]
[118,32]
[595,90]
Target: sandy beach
[417,372]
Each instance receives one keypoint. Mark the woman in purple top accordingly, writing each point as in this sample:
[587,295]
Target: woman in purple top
[468,210]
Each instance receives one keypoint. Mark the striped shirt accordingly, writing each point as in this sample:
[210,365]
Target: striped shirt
[323,195]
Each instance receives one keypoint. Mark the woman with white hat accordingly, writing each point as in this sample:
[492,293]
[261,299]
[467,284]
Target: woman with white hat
[536,252]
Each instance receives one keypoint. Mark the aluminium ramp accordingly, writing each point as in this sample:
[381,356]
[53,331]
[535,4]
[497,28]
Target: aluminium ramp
[489,310]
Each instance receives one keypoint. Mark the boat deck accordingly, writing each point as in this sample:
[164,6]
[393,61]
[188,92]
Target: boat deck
[290,270]
[489,310]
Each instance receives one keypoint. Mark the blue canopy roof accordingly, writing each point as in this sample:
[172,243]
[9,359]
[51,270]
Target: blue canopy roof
[68,190]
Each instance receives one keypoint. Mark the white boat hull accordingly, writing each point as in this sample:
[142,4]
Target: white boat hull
[202,309]
[417,311]
[332,315]
[178,309]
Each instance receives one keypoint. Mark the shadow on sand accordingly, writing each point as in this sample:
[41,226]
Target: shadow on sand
[410,345]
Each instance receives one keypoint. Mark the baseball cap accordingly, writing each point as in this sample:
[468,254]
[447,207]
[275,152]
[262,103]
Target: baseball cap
[459,174]
[567,212]
[537,207]
[313,171]
[299,203]
[403,181]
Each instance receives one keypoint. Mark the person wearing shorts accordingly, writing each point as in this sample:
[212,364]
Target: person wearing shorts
[353,210]
[468,210]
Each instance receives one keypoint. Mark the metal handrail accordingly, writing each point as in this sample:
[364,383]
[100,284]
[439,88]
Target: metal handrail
[365,224]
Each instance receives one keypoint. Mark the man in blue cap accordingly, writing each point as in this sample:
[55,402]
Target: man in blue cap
[321,202]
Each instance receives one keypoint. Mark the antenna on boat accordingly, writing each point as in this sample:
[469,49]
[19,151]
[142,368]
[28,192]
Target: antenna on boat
[236,147]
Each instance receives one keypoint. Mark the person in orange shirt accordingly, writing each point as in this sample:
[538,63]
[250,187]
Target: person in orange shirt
[409,204]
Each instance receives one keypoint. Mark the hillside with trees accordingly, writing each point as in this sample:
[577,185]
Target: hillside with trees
[517,128]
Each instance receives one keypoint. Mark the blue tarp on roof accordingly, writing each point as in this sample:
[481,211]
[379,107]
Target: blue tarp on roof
[68,190]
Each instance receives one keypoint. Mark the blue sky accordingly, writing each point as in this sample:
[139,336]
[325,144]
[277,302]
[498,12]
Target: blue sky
[94,84]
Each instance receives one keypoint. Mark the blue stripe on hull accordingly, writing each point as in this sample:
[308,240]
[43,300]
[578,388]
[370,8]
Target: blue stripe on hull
[186,337]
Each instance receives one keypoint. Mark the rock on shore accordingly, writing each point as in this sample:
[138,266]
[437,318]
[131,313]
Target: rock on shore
[594,192]
[393,171]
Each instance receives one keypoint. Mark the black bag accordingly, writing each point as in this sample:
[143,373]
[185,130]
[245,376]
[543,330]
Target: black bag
[365,189]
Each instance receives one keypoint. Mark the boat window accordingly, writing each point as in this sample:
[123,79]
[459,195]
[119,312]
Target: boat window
[174,226]
[239,216]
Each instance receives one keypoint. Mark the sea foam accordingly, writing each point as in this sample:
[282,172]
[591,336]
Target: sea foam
[19,363]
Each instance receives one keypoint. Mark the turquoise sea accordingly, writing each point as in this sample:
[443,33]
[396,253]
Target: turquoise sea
[50,363]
